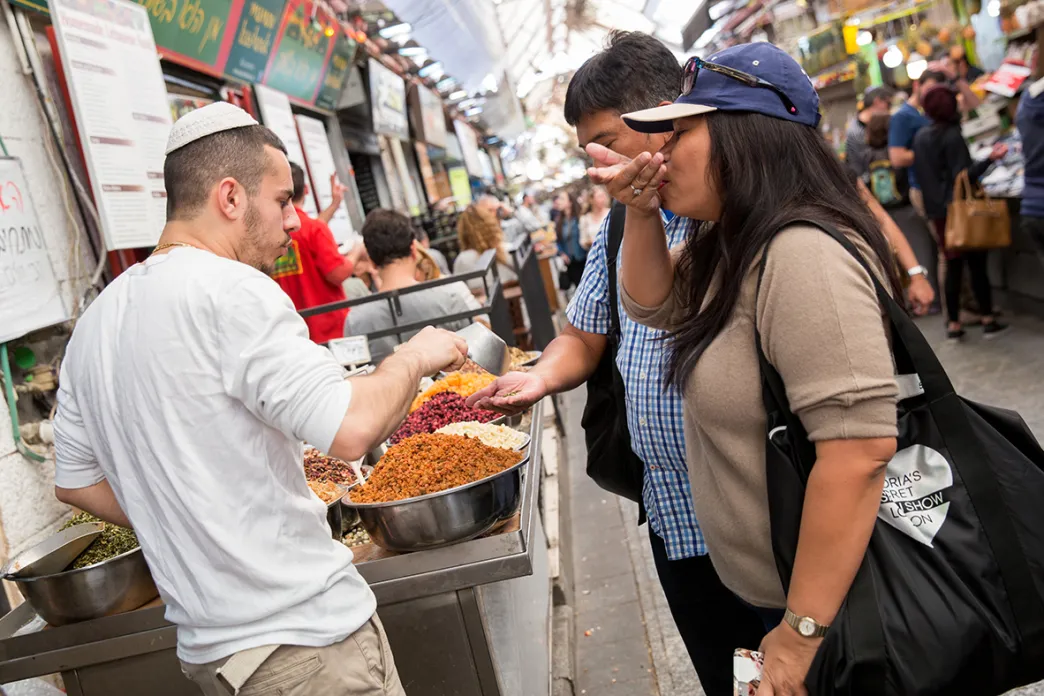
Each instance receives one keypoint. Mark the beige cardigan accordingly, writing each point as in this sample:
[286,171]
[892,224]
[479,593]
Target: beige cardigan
[822,329]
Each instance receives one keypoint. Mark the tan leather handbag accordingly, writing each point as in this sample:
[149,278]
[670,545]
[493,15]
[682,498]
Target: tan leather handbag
[976,222]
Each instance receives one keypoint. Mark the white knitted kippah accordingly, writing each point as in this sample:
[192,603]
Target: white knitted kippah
[207,120]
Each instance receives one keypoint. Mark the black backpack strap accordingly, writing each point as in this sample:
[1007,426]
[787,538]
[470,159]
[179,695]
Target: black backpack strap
[617,216]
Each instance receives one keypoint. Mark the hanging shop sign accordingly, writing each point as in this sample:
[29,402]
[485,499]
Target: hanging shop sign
[468,147]
[278,116]
[460,184]
[255,35]
[321,167]
[388,102]
[428,113]
[30,297]
[303,47]
[336,72]
[122,114]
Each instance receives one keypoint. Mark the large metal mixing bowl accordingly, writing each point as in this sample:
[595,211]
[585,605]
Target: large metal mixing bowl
[443,518]
[119,584]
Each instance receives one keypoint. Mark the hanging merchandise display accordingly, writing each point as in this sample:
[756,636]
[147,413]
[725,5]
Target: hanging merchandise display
[321,167]
[122,114]
[30,297]
[277,115]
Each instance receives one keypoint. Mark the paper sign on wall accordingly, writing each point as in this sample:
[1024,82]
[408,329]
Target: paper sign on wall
[278,116]
[321,167]
[122,113]
[30,298]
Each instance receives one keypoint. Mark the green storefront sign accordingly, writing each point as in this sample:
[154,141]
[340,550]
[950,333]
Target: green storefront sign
[336,72]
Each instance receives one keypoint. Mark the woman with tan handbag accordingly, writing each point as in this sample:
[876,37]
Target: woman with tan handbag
[940,157]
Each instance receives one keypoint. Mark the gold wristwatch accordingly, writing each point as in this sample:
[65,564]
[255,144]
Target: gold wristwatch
[805,625]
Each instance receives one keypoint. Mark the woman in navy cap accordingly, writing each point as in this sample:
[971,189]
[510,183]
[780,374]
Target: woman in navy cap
[746,157]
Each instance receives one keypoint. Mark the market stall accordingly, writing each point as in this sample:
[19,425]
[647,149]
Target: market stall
[470,618]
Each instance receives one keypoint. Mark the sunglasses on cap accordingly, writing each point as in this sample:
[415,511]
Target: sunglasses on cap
[694,65]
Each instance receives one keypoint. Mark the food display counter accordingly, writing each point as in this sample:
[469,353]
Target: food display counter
[469,619]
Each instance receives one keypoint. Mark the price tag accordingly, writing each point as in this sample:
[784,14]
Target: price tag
[353,350]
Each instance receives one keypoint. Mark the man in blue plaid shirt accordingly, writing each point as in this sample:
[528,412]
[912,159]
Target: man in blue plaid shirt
[637,72]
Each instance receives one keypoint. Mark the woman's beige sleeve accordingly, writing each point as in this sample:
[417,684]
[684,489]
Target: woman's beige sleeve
[668,315]
[822,329]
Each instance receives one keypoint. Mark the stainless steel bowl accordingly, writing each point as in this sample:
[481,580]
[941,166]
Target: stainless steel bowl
[119,584]
[443,518]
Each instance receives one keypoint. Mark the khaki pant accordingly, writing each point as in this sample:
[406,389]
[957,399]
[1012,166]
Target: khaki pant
[360,665]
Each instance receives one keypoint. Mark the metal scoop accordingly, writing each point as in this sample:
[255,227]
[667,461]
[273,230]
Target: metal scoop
[54,554]
[486,349]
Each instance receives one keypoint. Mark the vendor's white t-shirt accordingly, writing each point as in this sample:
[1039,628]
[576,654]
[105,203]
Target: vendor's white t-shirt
[190,384]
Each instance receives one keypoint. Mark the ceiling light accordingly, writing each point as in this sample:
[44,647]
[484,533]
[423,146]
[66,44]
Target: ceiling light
[473,112]
[893,57]
[916,66]
[445,83]
[431,70]
[864,38]
[400,29]
[993,8]
[459,94]
[330,31]
[412,51]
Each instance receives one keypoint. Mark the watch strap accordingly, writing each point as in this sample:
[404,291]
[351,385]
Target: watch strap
[806,626]
[917,270]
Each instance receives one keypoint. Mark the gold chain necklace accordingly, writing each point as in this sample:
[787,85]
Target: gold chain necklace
[170,245]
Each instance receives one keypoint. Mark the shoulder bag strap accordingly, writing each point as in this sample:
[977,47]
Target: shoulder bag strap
[617,216]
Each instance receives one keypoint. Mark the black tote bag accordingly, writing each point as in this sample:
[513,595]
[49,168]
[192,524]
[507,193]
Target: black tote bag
[949,598]
[611,462]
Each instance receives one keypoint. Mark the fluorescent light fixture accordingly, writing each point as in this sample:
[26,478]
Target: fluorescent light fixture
[893,57]
[993,8]
[430,70]
[413,51]
[863,38]
[445,83]
[400,29]
[473,112]
[459,94]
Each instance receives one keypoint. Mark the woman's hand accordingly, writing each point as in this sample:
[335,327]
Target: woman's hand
[632,182]
[921,294]
[788,657]
[512,393]
[998,152]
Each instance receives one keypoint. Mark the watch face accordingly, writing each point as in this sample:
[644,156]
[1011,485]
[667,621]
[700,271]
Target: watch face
[806,627]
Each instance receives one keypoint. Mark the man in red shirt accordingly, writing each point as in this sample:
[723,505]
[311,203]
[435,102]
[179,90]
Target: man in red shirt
[313,269]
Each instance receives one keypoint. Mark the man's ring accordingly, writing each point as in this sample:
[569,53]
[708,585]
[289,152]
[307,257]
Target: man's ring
[636,191]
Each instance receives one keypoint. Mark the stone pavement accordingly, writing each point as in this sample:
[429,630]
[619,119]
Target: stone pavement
[625,639]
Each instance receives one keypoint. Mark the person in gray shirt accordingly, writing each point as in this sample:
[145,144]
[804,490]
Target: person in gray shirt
[392,246]
[876,100]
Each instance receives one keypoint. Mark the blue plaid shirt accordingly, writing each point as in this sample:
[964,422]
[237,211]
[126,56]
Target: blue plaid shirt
[654,415]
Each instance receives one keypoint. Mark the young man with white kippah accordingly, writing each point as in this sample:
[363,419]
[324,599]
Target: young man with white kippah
[186,392]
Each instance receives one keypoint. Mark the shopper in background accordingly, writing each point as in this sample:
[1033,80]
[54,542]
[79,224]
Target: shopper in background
[478,233]
[313,271]
[567,230]
[905,124]
[390,242]
[1030,122]
[187,389]
[636,71]
[962,68]
[876,100]
[940,154]
[887,192]
[421,236]
[597,211]
[530,214]
[748,158]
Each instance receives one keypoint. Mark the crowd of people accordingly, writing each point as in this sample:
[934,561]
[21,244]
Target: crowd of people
[723,187]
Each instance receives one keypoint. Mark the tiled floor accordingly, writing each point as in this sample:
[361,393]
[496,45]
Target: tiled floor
[626,642]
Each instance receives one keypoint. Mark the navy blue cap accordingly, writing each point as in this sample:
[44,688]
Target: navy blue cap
[716,92]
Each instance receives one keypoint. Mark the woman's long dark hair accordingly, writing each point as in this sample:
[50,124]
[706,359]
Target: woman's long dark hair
[770,172]
[573,213]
